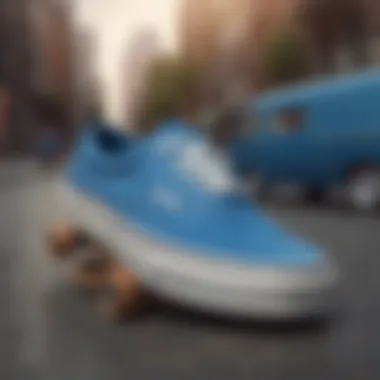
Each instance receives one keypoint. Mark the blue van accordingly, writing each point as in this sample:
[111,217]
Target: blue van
[318,135]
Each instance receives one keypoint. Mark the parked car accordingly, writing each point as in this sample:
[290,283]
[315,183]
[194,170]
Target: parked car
[318,135]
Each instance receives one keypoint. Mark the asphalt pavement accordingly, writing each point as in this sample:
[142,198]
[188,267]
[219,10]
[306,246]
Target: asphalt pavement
[50,330]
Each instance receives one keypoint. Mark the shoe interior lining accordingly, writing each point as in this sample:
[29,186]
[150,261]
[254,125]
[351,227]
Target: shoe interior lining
[111,141]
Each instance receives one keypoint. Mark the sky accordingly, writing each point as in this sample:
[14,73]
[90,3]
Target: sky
[113,23]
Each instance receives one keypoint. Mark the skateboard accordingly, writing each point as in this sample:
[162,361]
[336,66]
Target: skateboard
[96,268]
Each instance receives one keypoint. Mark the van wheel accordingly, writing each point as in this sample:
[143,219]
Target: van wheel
[315,196]
[363,189]
[264,191]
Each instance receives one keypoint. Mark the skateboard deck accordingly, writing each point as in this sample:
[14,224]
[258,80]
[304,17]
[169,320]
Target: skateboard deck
[95,267]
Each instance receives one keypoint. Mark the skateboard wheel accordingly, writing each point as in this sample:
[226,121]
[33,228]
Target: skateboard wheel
[93,273]
[125,294]
[64,238]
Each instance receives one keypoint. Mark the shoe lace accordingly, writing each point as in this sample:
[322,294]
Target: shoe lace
[207,167]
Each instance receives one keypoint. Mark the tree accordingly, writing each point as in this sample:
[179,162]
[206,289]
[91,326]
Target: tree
[286,57]
[172,90]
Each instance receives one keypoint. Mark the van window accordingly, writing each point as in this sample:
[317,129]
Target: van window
[290,120]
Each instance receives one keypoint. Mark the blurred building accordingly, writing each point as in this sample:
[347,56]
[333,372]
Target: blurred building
[343,33]
[84,80]
[141,50]
[230,36]
[15,74]
[35,58]
[54,61]
[54,48]
[217,35]
[200,29]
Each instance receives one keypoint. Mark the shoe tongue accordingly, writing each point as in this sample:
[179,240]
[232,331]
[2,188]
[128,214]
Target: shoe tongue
[195,158]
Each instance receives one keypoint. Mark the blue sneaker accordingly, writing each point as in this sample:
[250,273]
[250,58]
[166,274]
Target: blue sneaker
[169,207]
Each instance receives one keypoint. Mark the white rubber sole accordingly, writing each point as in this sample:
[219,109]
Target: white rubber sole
[200,282]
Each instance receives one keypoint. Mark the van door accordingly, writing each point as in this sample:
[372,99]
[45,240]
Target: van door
[280,147]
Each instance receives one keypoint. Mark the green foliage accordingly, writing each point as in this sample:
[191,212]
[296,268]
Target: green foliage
[286,58]
[172,85]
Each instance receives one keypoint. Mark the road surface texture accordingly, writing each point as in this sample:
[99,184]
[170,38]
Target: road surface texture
[51,331]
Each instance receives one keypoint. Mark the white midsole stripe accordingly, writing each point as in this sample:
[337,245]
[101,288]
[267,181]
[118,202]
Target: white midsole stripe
[197,281]
[138,250]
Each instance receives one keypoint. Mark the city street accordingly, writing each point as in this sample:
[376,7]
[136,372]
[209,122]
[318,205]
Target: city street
[51,330]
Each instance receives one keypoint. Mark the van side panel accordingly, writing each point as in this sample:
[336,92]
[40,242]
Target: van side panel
[341,129]
[347,130]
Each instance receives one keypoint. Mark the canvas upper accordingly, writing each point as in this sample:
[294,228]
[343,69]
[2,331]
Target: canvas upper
[179,189]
